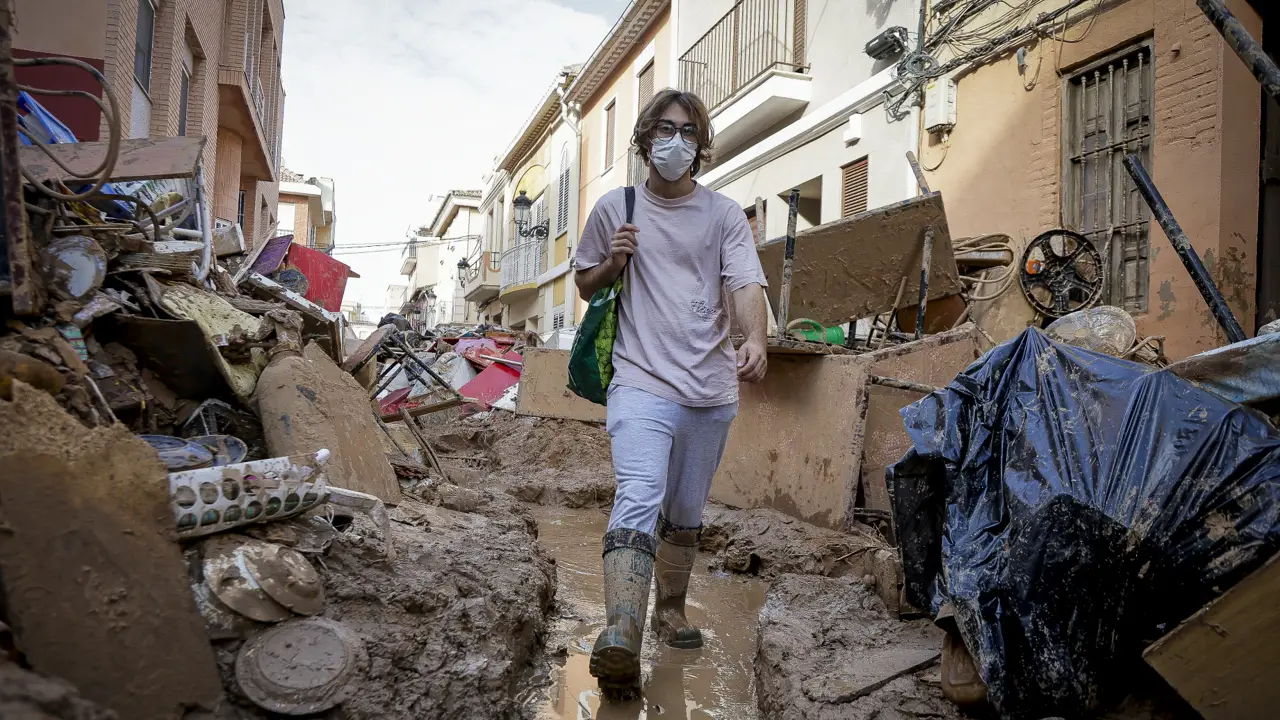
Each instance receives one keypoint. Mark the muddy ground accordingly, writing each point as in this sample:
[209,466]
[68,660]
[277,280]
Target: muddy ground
[25,695]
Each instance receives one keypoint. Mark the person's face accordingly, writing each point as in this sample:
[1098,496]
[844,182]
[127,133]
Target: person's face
[675,119]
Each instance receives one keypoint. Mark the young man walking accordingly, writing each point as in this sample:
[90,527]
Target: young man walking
[675,386]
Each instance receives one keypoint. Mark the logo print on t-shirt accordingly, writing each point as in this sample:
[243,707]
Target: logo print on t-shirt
[703,310]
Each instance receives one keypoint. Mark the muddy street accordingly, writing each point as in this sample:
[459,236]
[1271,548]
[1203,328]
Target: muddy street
[717,681]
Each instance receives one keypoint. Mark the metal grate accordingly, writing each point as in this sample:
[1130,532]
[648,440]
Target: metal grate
[853,187]
[755,36]
[610,130]
[1109,114]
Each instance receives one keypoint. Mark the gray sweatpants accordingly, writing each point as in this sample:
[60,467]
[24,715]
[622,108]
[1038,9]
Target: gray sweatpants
[664,456]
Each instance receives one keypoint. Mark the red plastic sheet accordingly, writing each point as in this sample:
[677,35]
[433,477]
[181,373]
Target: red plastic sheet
[489,386]
[328,277]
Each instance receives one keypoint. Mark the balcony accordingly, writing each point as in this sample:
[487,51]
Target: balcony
[521,266]
[749,68]
[409,261]
[480,281]
[242,109]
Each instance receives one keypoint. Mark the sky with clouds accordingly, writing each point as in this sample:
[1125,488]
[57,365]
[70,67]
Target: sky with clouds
[400,100]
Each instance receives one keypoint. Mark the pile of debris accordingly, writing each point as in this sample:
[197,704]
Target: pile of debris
[200,507]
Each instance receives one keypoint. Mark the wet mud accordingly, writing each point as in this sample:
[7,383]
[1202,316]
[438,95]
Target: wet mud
[25,695]
[717,681]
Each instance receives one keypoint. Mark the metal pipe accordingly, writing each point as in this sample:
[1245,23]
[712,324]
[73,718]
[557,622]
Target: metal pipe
[1181,245]
[903,384]
[399,342]
[788,258]
[925,266]
[1249,50]
[919,171]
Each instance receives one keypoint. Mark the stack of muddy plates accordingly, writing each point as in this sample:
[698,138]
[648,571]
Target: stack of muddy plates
[300,667]
[179,454]
[257,580]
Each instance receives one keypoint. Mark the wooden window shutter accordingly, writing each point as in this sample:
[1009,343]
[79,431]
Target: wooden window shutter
[853,188]
[610,130]
[799,30]
[645,91]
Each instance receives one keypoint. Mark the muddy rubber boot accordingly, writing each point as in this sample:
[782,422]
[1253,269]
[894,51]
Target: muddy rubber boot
[677,551]
[628,567]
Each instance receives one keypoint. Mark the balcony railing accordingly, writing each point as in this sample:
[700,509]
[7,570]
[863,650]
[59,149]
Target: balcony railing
[524,263]
[754,37]
[474,270]
[260,102]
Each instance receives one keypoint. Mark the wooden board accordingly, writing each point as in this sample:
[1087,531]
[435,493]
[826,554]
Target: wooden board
[1225,659]
[96,588]
[544,389]
[159,159]
[885,439]
[851,268]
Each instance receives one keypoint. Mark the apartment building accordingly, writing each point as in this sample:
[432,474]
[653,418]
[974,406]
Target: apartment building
[307,210]
[520,273]
[175,67]
[433,261]
[1042,123]
[797,101]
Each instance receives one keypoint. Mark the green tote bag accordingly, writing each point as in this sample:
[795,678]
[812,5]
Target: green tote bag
[591,359]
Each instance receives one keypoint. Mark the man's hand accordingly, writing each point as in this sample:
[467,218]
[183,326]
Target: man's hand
[623,244]
[752,361]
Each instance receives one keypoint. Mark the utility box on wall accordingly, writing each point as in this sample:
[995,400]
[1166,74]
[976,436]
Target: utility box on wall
[940,105]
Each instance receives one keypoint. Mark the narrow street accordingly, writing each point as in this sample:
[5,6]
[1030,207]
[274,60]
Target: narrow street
[717,682]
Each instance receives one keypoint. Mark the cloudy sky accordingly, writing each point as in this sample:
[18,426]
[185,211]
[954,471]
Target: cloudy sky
[400,100]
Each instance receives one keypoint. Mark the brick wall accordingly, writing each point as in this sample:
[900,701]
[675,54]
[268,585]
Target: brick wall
[1001,171]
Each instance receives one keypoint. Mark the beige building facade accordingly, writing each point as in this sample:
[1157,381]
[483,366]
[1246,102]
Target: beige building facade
[432,261]
[175,67]
[306,210]
[1040,132]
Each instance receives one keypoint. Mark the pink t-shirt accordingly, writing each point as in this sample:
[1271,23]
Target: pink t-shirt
[673,338]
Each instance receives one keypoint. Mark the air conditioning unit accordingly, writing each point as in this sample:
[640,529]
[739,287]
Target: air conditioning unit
[887,44]
[940,105]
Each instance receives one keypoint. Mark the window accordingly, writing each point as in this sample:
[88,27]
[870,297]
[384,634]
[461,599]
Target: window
[610,130]
[644,85]
[562,209]
[1109,114]
[288,215]
[853,188]
[184,92]
[143,43]
[557,318]
[240,210]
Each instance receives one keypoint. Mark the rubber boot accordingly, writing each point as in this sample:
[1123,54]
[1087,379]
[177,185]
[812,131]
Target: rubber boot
[677,551]
[628,567]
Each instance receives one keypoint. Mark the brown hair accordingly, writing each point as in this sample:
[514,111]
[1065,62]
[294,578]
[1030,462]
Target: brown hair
[642,136]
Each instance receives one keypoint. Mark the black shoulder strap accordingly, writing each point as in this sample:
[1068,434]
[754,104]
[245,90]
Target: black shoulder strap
[630,192]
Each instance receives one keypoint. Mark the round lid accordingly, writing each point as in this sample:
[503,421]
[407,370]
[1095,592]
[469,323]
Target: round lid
[300,667]
[179,454]
[287,576]
[227,575]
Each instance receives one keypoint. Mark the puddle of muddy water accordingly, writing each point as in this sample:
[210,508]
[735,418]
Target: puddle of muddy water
[716,682]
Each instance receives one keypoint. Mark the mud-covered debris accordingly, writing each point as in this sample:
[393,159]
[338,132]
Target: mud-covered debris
[301,667]
[450,624]
[25,695]
[829,650]
[768,543]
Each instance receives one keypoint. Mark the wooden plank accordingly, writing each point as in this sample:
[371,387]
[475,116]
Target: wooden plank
[95,585]
[1223,660]
[433,408]
[851,268]
[159,159]
[423,443]
[544,389]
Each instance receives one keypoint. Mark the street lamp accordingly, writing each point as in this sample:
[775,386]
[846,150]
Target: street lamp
[524,221]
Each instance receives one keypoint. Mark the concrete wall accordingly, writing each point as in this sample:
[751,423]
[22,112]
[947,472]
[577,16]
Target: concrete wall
[797,444]
[1001,170]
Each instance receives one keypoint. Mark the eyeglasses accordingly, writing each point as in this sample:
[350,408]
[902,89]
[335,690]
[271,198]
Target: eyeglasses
[665,130]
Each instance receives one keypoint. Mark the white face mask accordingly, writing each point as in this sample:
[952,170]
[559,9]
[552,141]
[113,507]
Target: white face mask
[672,157]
